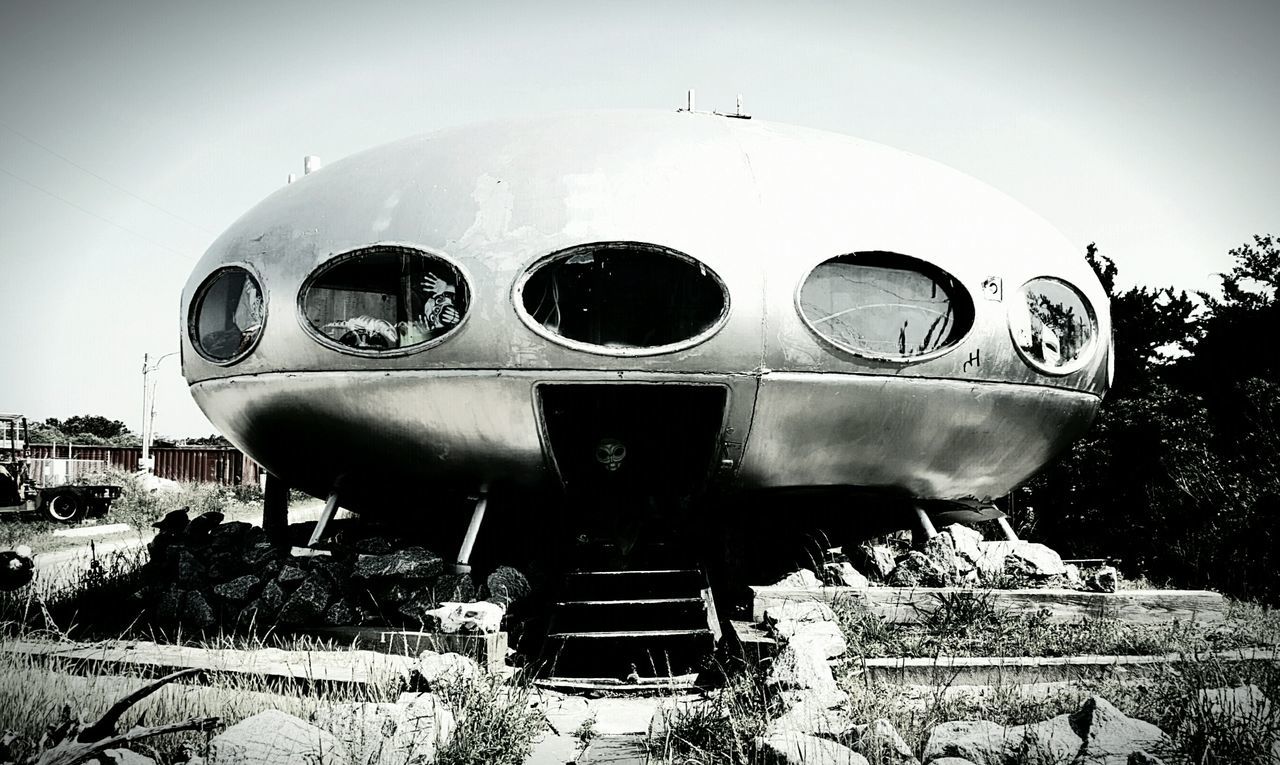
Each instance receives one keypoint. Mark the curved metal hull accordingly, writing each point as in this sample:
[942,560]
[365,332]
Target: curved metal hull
[760,205]
[456,430]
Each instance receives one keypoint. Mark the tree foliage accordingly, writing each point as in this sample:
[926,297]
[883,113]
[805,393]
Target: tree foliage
[1180,474]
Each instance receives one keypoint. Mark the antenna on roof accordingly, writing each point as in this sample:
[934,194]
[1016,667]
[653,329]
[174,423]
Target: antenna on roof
[689,107]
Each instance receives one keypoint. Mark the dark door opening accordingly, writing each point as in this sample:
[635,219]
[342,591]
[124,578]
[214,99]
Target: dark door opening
[648,440]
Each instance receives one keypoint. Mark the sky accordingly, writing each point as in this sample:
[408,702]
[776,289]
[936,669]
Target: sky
[133,133]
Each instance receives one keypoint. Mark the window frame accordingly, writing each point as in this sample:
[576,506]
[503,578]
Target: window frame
[517,300]
[373,249]
[197,302]
[894,358]
[1086,355]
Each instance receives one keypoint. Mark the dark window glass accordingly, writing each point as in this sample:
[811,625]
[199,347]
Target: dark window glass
[623,296]
[228,315]
[1052,324]
[883,304]
[386,298]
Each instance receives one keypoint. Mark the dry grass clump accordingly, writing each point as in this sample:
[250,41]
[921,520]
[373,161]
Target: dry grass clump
[1203,731]
[33,696]
[494,722]
[722,728]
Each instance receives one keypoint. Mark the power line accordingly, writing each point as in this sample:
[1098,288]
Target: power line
[113,185]
[91,213]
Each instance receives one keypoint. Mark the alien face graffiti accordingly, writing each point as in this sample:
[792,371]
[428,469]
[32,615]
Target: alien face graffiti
[610,453]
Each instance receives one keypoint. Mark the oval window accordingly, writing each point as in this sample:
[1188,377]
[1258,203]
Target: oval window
[1052,325]
[385,299]
[227,315]
[885,305]
[623,298]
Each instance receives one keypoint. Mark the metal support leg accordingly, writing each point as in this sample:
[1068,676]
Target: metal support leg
[924,530]
[326,515]
[275,509]
[463,566]
[1009,533]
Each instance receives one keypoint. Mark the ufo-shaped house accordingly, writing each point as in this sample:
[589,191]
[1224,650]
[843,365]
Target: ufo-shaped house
[666,301]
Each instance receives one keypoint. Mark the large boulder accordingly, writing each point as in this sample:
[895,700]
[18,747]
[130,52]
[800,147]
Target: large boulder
[978,741]
[455,588]
[802,579]
[196,611]
[811,714]
[389,734]
[1026,562]
[843,574]
[1048,742]
[1110,737]
[308,602]
[876,561]
[791,747]
[915,569]
[238,590]
[881,743]
[445,669]
[1103,579]
[824,637]
[506,586]
[275,738]
[412,563]
[803,666]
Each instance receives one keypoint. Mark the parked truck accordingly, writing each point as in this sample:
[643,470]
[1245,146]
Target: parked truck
[53,487]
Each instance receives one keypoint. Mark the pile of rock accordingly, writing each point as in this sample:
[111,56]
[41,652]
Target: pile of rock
[1095,734]
[957,557]
[203,572]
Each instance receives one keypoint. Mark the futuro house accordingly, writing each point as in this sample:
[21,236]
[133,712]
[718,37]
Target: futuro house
[681,301]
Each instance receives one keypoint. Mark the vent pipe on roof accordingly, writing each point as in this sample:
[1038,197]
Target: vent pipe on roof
[690,106]
[292,177]
[310,164]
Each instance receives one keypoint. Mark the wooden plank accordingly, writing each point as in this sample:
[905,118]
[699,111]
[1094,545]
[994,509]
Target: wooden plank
[994,670]
[355,667]
[907,605]
[488,650]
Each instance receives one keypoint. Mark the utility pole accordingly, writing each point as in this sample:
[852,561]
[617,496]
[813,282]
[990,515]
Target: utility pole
[149,408]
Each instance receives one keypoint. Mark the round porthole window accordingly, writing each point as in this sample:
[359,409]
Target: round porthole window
[886,306]
[623,298]
[385,300]
[227,315]
[1053,326]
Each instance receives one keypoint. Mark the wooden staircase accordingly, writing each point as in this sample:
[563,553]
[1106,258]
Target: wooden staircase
[636,620]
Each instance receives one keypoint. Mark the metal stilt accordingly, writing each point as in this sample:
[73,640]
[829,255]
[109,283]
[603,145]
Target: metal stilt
[463,566]
[326,515]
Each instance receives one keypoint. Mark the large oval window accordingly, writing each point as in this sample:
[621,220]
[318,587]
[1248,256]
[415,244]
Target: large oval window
[885,305]
[1052,325]
[227,315]
[385,300]
[623,298]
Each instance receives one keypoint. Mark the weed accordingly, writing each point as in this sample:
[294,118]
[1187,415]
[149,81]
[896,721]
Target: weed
[721,729]
[586,731]
[494,722]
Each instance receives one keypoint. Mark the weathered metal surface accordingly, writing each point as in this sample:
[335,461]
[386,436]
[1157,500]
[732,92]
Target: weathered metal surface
[759,204]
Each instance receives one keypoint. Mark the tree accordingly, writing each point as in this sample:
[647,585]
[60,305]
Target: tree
[89,424]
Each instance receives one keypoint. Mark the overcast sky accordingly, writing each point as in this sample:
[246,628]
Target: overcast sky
[132,133]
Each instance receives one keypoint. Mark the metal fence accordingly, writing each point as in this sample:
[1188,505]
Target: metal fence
[229,467]
[47,471]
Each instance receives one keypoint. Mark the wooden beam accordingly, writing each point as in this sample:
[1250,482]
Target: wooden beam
[488,650]
[354,667]
[906,605]
[1027,670]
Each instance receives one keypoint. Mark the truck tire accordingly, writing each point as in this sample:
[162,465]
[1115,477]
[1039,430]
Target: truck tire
[65,507]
